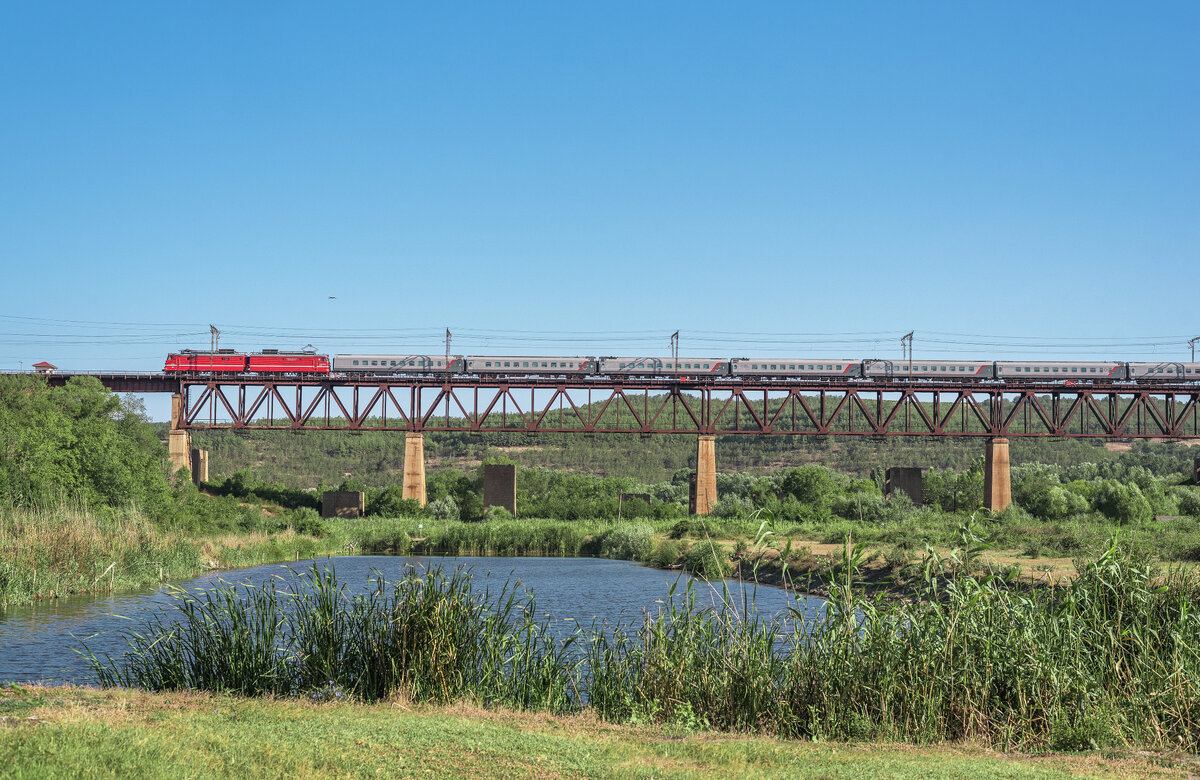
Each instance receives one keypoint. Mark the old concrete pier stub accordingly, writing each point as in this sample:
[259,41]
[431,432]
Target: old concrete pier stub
[179,441]
[906,480]
[343,503]
[199,466]
[500,487]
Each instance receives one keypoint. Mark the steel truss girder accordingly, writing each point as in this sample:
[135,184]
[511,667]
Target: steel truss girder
[667,407]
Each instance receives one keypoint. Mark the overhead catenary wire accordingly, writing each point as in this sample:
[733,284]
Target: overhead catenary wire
[102,340]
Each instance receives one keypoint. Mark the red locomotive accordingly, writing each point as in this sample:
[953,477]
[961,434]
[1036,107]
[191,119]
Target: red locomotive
[227,361]
[193,361]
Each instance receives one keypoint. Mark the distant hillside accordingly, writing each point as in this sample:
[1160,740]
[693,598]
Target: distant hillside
[304,460]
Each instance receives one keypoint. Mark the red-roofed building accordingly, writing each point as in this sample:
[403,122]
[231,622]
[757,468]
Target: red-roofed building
[45,367]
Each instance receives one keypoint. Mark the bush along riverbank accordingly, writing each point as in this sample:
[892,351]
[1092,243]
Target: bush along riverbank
[1112,658]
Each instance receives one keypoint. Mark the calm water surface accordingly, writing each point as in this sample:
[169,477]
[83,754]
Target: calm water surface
[38,643]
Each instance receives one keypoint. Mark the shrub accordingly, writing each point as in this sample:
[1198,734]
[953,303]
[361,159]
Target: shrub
[306,520]
[443,509]
[497,514]
[665,554]
[874,508]
[809,484]
[733,507]
[627,542]
[706,561]
[1188,500]
[1015,515]
[390,502]
[1123,503]
[691,526]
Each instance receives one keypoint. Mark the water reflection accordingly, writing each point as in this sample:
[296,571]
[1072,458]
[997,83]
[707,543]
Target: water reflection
[39,643]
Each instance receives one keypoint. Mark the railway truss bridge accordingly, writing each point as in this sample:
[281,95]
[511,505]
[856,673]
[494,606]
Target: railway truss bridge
[984,409]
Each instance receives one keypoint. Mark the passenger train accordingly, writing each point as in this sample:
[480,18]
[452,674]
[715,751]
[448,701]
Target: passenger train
[280,363]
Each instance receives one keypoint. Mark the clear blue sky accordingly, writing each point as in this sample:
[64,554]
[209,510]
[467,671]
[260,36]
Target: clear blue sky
[585,178]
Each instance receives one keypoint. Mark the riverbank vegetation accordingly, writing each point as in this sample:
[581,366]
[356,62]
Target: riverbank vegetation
[1110,660]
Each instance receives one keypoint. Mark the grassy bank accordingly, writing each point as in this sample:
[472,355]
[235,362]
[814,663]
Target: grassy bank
[49,553]
[66,732]
[1111,660]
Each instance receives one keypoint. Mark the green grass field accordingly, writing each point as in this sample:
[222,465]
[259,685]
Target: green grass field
[79,732]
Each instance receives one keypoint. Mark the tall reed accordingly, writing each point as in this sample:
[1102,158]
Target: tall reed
[430,637]
[46,552]
[527,536]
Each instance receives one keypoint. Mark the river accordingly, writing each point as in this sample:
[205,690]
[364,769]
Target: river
[39,643]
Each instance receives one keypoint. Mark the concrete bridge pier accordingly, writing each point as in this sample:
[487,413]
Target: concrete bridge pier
[179,442]
[414,467]
[997,486]
[704,490]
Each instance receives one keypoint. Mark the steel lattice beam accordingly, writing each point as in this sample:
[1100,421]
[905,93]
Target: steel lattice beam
[717,407]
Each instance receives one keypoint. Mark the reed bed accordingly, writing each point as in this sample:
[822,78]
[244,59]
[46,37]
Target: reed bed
[514,538]
[46,553]
[1111,659]
[75,550]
